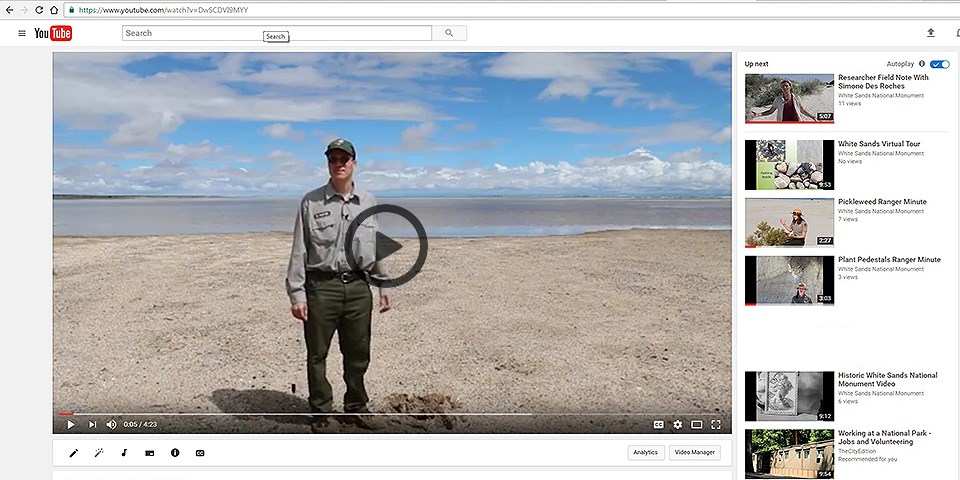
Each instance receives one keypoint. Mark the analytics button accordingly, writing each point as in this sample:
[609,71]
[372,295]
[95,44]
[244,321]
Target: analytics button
[645,452]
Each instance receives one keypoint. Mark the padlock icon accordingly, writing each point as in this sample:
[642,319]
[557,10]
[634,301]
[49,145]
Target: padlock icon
[71,9]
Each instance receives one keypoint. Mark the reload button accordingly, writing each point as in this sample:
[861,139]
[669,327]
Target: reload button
[276,36]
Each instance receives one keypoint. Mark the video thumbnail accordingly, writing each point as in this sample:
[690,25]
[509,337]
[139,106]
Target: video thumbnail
[789,222]
[789,164]
[783,453]
[789,396]
[789,98]
[789,280]
[203,201]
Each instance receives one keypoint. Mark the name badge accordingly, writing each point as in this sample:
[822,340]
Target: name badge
[320,215]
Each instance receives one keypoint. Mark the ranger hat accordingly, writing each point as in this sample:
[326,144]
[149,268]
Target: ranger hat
[802,285]
[797,210]
[341,144]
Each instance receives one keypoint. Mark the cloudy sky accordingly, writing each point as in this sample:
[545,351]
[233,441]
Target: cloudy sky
[423,123]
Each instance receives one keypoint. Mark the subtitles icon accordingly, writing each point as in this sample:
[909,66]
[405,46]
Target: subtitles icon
[658,424]
[201,453]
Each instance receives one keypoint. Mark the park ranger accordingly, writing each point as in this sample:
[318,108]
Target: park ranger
[325,293]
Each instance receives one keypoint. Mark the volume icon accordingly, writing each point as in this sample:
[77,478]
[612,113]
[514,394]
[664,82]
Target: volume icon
[112,424]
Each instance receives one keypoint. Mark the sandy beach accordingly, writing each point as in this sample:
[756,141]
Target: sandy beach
[822,102]
[620,322]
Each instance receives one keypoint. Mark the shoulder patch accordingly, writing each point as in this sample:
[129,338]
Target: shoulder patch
[321,214]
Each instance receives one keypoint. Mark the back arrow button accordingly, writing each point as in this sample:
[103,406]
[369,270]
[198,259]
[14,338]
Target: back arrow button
[9,9]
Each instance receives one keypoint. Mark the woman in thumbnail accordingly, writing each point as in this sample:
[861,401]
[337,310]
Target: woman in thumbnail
[787,106]
[801,296]
[796,229]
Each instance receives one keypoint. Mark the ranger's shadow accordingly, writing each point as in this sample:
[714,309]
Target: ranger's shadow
[230,400]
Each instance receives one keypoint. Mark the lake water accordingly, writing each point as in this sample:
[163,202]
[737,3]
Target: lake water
[442,217]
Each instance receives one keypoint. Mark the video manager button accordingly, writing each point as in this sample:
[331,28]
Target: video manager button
[645,452]
[694,452]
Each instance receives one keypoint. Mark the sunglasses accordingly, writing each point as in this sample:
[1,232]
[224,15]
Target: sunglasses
[339,160]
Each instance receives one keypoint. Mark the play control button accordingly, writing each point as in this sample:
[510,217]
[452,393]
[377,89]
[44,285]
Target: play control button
[386,246]
[382,245]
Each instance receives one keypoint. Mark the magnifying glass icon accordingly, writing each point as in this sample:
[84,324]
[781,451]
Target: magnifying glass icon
[448,33]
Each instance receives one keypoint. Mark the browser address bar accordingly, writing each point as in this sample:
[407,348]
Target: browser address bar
[394,10]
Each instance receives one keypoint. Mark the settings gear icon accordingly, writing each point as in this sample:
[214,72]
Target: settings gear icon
[677,424]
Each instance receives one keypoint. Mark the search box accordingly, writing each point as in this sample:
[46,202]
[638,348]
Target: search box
[294,33]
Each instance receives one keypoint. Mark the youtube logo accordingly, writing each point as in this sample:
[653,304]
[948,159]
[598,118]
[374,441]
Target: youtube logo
[57,33]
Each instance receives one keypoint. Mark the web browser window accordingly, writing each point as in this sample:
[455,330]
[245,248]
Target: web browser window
[666,239]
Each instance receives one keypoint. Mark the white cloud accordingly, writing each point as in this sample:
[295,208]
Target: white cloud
[143,130]
[693,155]
[381,165]
[574,125]
[283,131]
[711,65]
[95,91]
[637,156]
[184,150]
[638,171]
[608,75]
[723,136]
[566,87]
[417,138]
[676,132]
[278,155]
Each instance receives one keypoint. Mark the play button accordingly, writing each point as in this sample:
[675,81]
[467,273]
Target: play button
[70,424]
[375,246]
[386,246]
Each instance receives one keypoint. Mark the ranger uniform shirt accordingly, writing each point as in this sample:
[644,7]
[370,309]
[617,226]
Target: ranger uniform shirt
[319,236]
[798,229]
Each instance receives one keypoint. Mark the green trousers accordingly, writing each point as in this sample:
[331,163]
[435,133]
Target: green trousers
[334,306]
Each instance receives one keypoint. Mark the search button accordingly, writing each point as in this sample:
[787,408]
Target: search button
[276,36]
[939,64]
[451,33]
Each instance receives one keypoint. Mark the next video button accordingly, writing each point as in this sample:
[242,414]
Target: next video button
[645,452]
[694,452]
[276,37]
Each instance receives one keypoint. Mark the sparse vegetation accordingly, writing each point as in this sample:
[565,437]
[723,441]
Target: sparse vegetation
[767,236]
